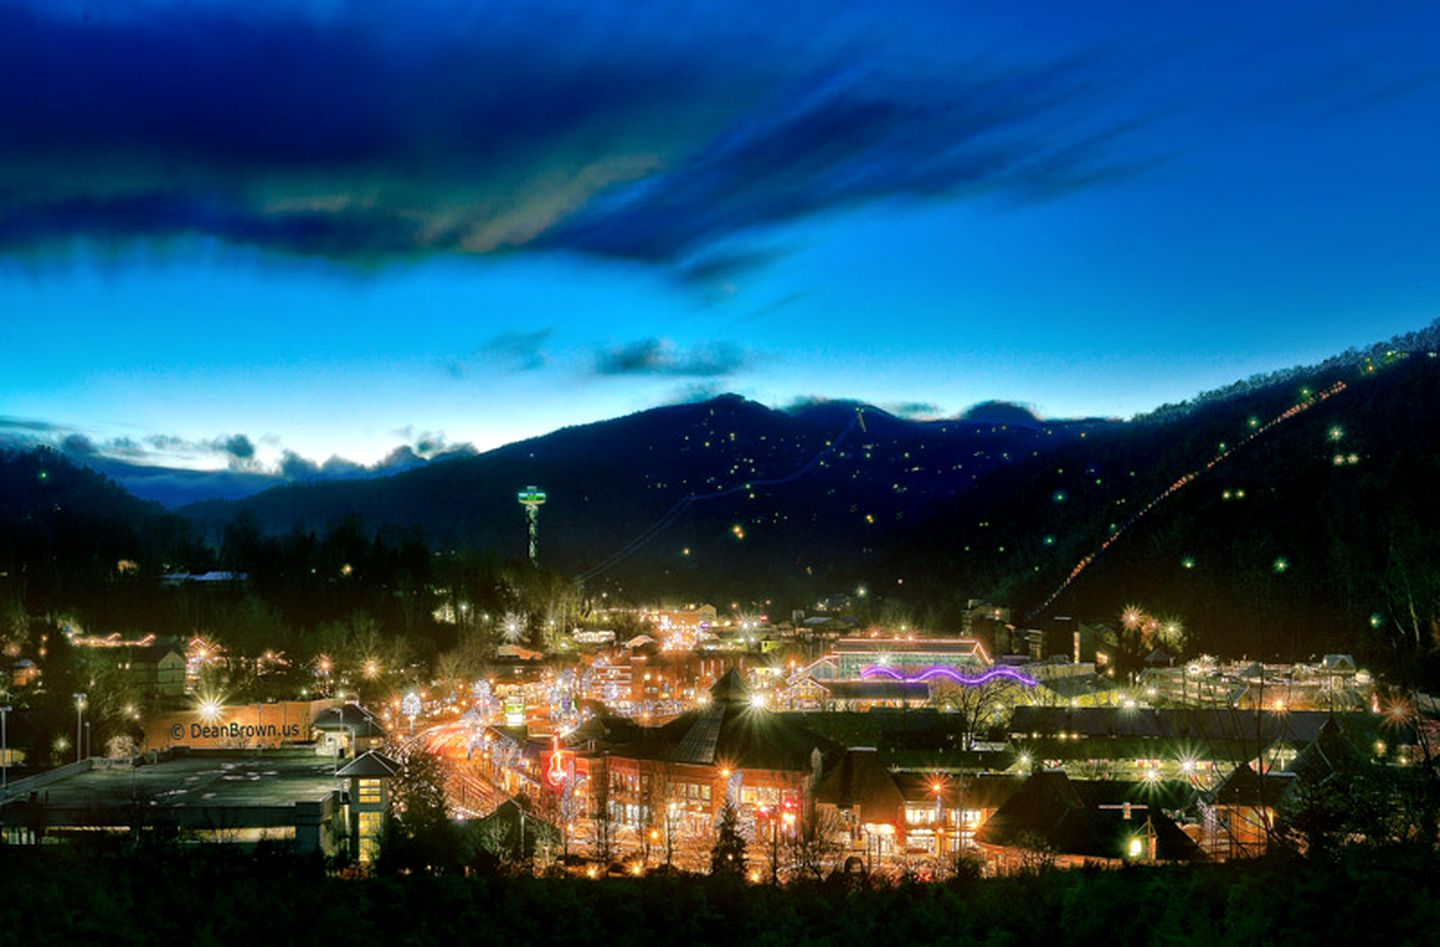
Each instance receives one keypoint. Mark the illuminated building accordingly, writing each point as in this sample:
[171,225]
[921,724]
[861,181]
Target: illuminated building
[233,797]
[910,655]
[369,797]
[1074,823]
[727,746]
[887,813]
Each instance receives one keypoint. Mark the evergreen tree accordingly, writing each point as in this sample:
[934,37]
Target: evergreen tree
[727,855]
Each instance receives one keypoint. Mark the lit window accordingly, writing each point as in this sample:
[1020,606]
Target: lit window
[369,824]
[370,792]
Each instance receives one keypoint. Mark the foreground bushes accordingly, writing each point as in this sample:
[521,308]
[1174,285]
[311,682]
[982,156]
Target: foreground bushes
[1384,896]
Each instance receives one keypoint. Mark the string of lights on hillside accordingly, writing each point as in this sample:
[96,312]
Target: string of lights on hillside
[1257,430]
[684,503]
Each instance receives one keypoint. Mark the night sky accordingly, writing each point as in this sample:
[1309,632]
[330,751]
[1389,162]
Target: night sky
[231,230]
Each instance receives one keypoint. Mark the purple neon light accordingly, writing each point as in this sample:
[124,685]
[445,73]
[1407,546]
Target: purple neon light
[949,673]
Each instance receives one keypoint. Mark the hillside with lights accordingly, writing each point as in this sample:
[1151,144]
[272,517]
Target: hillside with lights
[1290,519]
[1288,515]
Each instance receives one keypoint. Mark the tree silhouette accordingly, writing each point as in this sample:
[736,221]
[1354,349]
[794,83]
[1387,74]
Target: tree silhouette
[727,855]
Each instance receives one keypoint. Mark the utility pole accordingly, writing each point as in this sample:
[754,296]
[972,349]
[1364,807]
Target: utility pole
[4,753]
[79,717]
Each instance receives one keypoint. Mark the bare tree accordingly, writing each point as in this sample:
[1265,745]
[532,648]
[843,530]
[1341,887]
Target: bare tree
[817,843]
[975,705]
[600,818]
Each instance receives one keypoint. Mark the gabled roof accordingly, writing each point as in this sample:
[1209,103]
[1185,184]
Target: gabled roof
[1052,811]
[730,687]
[729,731]
[373,764]
[860,780]
[1244,787]
[1328,752]
[351,718]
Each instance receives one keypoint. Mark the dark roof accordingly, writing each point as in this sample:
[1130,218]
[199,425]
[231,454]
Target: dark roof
[1184,723]
[151,652]
[1070,819]
[729,731]
[1329,751]
[350,717]
[877,690]
[730,687]
[989,791]
[1078,685]
[859,779]
[963,646]
[504,829]
[370,765]
[1244,787]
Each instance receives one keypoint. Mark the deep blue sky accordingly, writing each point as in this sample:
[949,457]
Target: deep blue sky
[333,232]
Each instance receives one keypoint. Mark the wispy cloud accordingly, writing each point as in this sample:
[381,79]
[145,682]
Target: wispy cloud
[367,134]
[663,357]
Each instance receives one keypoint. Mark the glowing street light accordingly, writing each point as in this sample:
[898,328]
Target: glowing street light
[410,707]
[210,709]
[4,752]
[80,701]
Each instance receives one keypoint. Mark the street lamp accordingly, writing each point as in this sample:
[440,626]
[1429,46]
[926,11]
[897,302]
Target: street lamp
[4,753]
[79,717]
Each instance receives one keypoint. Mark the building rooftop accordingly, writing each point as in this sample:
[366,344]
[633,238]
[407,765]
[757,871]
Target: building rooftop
[729,731]
[351,718]
[1088,819]
[371,764]
[877,690]
[201,779]
[961,646]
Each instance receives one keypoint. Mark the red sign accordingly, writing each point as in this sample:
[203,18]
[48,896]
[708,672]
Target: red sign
[555,770]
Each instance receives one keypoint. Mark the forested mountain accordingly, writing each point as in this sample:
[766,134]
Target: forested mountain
[1292,514]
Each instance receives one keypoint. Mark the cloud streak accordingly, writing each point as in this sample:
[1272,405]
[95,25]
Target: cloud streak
[663,357]
[353,134]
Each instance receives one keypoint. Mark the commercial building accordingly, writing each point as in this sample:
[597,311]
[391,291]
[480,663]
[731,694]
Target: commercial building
[232,796]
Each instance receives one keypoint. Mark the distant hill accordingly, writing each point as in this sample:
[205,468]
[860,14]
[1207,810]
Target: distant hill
[608,483]
[1294,513]
[1311,537]
[62,525]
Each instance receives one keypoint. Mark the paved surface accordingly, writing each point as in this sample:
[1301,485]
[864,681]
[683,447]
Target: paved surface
[202,779]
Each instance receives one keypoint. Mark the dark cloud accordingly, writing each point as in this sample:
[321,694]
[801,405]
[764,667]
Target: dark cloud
[401,458]
[663,357]
[723,266]
[238,446]
[295,467]
[914,410]
[370,132]
[77,444]
[848,138]
[695,393]
[338,467]
[1001,412]
[520,351]
[29,425]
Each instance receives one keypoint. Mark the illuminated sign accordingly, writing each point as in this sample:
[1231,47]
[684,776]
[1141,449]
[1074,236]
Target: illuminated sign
[555,770]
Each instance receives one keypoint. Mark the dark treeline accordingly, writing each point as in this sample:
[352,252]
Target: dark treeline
[1381,896]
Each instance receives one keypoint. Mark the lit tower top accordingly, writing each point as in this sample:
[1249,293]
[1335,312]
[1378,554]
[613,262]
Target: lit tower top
[531,498]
